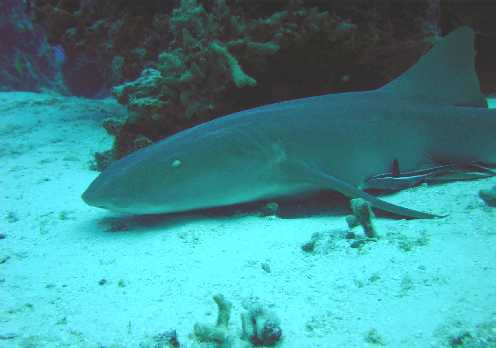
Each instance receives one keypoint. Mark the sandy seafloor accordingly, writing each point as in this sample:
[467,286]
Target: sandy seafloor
[71,276]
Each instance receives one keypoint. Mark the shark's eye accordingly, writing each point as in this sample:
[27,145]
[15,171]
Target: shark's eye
[176,163]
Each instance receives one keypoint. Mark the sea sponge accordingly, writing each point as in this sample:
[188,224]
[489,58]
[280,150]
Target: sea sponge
[489,196]
[260,326]
[363,216]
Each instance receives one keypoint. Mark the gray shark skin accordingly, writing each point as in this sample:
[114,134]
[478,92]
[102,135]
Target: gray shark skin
[433,114]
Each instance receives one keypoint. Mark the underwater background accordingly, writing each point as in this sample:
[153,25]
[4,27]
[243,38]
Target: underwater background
[86,82]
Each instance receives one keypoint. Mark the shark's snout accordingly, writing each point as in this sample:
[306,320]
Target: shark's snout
[112,189]
[86,197]
[90,195]
[94,195]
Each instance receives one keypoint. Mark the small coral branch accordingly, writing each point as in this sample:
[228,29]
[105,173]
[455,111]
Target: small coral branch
[239,77]
[218,333]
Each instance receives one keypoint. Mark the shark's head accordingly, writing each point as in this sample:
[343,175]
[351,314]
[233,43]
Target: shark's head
[132,184]
[174,175]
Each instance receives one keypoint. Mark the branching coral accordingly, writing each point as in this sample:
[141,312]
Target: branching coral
[214,57]
[238,76]
[218,335]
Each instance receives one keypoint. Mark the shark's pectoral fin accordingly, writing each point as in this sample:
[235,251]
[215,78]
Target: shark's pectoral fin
[353,192]
[322,179]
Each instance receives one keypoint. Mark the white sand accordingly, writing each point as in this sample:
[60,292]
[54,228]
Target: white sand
[162,275]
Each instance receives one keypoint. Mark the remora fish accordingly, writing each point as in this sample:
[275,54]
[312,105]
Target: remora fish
[430,120]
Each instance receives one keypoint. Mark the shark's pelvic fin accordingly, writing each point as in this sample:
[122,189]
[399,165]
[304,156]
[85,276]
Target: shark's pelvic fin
[445,75]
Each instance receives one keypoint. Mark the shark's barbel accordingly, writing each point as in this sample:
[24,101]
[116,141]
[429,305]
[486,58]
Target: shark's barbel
[434,115]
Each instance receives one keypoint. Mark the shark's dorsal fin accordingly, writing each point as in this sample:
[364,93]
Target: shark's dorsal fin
[445,75]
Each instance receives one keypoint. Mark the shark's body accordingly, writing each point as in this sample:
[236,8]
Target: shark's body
[433,114]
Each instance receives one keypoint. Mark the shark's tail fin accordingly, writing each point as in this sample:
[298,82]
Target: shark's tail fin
[445,75]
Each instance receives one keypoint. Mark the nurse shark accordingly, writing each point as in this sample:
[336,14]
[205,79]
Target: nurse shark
[427,124]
